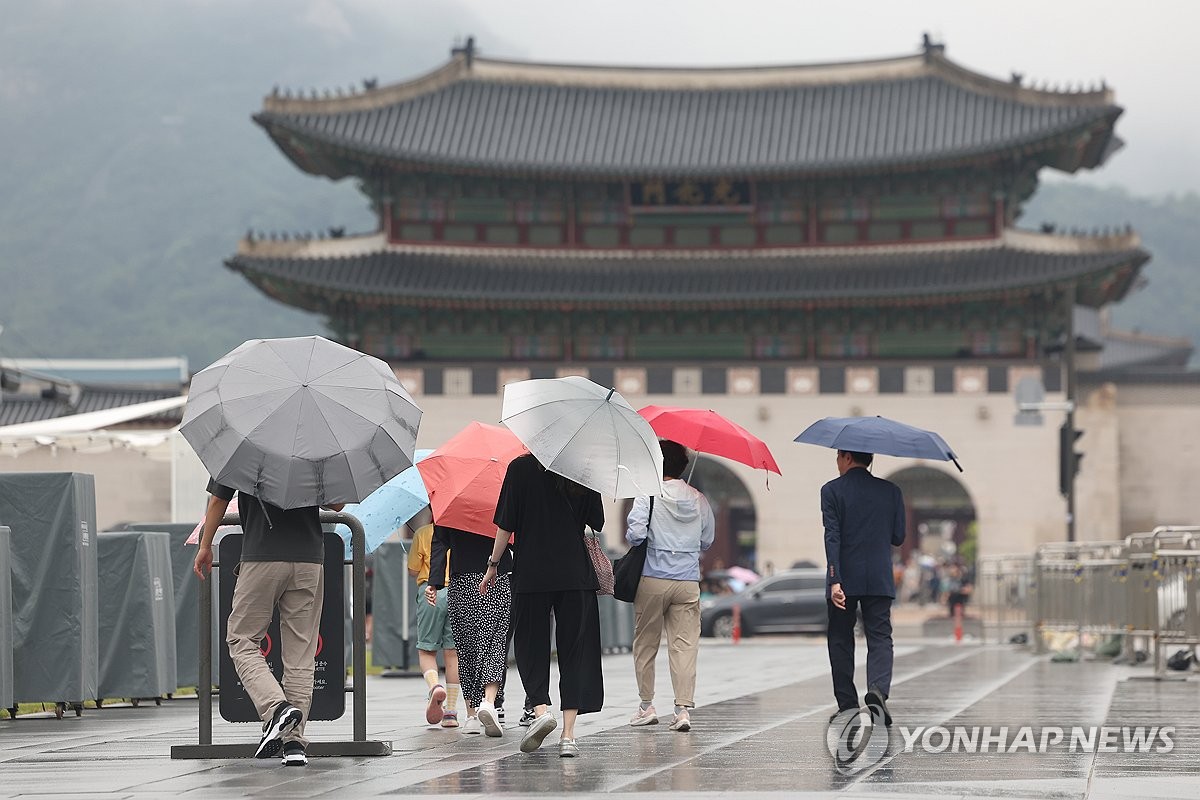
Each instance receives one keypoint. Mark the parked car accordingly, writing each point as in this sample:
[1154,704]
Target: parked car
[788,602]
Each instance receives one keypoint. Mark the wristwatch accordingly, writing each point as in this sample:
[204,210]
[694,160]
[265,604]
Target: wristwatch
[493,563]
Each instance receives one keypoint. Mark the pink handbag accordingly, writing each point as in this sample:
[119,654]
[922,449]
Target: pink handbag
[600,562]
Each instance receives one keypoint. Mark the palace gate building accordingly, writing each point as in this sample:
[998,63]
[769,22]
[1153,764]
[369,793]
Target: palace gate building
[779,244]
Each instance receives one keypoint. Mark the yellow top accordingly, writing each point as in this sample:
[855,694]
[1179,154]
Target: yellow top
[418,555]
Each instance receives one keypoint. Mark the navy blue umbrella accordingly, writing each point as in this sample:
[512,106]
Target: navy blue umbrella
[878,435]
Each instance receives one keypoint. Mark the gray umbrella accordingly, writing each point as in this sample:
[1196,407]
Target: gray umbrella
[301,422]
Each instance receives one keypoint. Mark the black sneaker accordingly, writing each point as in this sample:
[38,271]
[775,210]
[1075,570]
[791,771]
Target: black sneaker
[293,755]
[527,718]
[500,714]
[284,720]
[876,699]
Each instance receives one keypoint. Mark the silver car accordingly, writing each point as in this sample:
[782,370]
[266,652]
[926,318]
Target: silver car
[789,602]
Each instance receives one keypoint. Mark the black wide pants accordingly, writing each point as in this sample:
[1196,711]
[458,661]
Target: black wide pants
[577,634]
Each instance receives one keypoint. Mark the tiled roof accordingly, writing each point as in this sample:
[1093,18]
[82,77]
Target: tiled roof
[1124,350]
[18,408]
[535,119]
[310,274]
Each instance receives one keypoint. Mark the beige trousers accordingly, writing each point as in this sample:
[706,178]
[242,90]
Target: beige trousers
[674,605]
[297,589]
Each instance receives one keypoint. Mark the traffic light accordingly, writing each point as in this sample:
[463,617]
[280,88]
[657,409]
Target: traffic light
[1067,457]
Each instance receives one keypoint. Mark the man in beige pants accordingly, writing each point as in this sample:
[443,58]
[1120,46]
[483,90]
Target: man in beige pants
[283,556]
[679,525]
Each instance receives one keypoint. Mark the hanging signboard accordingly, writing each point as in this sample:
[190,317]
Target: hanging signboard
[707,195]
[329,681]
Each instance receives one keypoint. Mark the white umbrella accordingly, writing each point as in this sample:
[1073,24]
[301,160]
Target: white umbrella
[587,433]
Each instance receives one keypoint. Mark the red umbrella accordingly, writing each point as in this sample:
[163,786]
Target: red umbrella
[709,432]
[464,475]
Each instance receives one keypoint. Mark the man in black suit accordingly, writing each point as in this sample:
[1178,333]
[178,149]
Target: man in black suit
[864,518]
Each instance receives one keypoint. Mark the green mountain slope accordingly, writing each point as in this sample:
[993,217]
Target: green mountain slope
[132,166]
[1166,303]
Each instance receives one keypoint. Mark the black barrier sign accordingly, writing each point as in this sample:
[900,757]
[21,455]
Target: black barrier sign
[329,681]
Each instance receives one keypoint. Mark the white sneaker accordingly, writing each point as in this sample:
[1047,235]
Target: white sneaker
[682,722]
[644,716]
[472,726]
[489,719]
[538,731]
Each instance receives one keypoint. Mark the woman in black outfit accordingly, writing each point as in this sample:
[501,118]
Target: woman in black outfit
[552,572]
[479,621]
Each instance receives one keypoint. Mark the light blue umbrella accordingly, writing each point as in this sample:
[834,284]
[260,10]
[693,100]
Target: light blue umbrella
[878,435]
[389,507]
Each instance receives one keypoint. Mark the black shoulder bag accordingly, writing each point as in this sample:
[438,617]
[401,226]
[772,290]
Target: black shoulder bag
[627,570]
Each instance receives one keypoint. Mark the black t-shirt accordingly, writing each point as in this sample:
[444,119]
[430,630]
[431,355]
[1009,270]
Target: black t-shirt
[292,535]
[469,553]
[546,514]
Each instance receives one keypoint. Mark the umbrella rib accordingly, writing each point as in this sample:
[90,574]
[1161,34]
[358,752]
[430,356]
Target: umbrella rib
[332,370]
[325,419]
[268,417]
[578,430]
[552,401]
[616,440]
[348,408]
[254,372]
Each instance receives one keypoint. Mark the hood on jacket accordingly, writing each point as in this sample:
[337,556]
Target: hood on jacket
[679,500]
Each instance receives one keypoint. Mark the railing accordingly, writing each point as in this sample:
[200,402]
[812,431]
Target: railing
[1003,586]
[1145,588]
[1077,588]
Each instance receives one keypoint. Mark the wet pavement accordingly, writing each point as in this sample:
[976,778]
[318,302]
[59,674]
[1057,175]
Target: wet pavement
[761,731]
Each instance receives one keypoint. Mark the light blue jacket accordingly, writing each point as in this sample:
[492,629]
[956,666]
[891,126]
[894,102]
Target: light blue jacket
[682,527]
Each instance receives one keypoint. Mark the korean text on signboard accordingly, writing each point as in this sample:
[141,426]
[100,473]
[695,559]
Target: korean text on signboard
[721,193]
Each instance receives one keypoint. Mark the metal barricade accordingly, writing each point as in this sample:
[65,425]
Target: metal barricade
[1141,595]
[1176,562]
[1002,595]
[1146,588]
[1079,588]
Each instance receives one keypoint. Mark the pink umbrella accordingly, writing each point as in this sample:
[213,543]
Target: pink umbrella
[746,576]
[221,531]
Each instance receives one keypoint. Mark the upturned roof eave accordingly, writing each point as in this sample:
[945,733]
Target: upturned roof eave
[460,67]
[372,156]
[1124,264]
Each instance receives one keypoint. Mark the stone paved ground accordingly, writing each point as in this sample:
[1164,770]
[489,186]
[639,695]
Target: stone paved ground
[761,731]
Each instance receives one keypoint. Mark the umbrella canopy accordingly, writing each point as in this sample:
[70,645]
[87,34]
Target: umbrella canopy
[390,506]
[709,432]
[740,574]
[464,476]
[301,422]
[385,510]
[587,433]
[194,537]
[878,435]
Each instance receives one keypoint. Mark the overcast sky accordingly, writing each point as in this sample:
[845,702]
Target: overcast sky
[1147,51]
